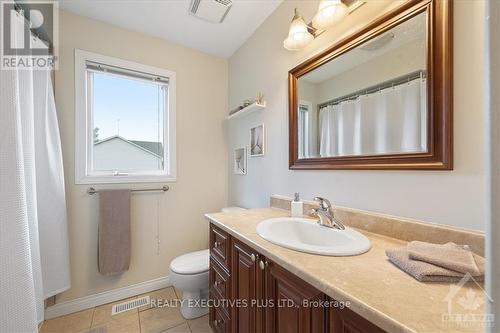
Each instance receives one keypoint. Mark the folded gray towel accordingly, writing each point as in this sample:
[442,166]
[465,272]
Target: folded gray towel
[458,258]
[114,231]
[423,271]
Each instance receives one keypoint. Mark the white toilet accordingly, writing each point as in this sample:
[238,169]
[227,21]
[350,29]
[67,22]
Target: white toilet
[232,209]
[189,274]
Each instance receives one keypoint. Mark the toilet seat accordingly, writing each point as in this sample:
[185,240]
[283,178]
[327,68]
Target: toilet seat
[191,263]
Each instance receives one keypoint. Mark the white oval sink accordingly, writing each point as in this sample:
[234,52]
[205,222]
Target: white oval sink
[305,235]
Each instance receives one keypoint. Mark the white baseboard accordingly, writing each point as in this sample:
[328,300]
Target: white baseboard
[105,297]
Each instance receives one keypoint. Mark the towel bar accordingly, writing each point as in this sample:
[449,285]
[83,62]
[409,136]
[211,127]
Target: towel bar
[165,188]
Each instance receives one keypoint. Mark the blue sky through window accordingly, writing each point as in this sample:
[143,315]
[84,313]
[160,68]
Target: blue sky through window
[130,108]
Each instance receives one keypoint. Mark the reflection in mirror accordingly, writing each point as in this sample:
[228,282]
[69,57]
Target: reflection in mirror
[370,100]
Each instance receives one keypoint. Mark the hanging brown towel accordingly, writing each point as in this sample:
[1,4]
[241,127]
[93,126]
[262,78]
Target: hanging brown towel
[114,231]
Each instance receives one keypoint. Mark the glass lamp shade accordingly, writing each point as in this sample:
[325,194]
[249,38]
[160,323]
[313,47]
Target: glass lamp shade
[298,35]
[329,13]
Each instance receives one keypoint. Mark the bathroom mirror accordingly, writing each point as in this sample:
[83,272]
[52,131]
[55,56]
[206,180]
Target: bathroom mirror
[379,99]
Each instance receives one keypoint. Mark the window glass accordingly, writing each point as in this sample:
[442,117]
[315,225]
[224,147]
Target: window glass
[303,130]
[128,123]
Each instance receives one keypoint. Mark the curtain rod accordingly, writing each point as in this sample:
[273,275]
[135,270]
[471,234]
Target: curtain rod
[35,34]
[386,84]
[165,188]
[105,68]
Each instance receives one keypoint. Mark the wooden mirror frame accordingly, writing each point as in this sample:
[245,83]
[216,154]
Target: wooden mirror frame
[439,155]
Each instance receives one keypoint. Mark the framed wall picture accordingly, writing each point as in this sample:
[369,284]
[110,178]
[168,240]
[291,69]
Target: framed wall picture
[240,161]
[257,141]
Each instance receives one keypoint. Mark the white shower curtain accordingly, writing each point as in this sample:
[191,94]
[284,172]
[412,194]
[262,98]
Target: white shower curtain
[392,120]
[51,201]
[34,260]
[328,133]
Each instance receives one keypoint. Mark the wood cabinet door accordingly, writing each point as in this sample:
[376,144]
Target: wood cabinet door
[262,302]
[289,295]
[244,287]
[347,321]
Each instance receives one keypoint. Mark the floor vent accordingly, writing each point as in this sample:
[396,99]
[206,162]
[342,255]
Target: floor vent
[129,305]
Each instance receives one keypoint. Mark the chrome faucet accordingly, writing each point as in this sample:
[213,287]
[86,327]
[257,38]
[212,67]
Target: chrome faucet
[325,214]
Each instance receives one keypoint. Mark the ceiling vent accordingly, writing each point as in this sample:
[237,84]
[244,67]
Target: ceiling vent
[214,11]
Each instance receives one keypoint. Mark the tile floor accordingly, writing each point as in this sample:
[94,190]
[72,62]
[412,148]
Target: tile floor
[146,319]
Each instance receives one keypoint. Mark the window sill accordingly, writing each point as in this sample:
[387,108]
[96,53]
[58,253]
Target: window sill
[130,179]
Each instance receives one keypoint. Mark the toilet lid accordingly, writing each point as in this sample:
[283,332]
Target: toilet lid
[191,263]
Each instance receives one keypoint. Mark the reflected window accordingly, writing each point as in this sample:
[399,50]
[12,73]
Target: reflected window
[304,112]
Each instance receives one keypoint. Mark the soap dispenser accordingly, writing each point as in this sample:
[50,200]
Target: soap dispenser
[297,206]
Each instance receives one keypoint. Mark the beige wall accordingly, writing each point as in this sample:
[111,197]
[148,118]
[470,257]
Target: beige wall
[201,157]
[453,198]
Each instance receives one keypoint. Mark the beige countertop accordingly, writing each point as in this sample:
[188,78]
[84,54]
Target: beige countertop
[375,288]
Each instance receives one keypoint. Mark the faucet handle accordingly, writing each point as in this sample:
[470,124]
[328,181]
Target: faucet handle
[323,203]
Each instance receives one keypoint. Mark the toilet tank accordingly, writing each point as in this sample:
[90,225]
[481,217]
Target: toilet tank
[232,209]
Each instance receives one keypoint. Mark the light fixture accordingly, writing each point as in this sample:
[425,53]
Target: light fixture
[298,34]
[329,13]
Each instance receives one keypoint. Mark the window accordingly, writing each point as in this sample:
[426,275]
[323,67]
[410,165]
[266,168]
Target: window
[125,121]
[304,108]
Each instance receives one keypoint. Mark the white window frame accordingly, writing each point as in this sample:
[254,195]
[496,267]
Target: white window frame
[84,130]
[306,130]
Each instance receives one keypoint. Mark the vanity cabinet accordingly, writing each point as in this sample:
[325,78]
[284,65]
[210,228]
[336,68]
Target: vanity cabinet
[219,281]
[247,286]
[261,296]
[347,321]
[291,296]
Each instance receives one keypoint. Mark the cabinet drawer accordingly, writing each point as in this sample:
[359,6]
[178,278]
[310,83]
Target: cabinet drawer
[220,246]
[219,280]
[219,321]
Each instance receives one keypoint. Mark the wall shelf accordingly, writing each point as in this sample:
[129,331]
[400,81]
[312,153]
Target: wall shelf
[247,110]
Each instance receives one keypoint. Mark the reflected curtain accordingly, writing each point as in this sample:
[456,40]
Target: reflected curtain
[392,120]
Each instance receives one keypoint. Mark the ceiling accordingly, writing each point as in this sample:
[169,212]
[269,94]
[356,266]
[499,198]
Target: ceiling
[170,20]
[411,31]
